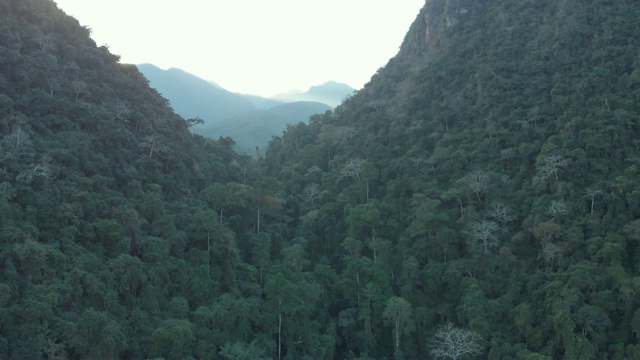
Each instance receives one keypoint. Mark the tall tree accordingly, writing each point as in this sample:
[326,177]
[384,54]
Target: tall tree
[398,314]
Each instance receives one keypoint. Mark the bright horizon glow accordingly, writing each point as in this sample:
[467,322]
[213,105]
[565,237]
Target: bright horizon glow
[260,47]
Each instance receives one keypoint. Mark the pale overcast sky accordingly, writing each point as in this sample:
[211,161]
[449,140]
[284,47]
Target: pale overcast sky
[260,47]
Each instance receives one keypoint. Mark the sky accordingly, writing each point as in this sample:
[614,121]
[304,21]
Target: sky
[260,47]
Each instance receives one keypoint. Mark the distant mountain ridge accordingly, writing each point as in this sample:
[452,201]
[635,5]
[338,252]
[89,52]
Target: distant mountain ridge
[250,120]
[262,102]
[191,96]
[254,129]
[331,93]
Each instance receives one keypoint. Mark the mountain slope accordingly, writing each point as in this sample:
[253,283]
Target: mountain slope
[193,97]
[487,176]
[256,128]
[110,225]
[248,119]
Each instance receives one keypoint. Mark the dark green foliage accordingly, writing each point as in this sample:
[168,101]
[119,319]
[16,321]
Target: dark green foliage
[499,147]
[104,250]
[485,178]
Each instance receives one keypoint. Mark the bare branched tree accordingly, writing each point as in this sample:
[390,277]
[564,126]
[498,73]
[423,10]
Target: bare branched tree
[155,146]
[552,165]
[501,213]
[477,181]
[483,233]
[310,194]
[558,208]
[454,343]
[45,42]
[18,142]
[119,110]
[352,169]
[43,169]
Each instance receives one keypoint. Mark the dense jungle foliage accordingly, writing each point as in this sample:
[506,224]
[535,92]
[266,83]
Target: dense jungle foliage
[479,198]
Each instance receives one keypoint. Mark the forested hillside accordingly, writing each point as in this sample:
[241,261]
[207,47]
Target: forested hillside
[483,186]
[487,177]
[120,231]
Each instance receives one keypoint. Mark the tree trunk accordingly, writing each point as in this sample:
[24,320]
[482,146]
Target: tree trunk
[375,254]
[358,283]
[279,330]
[367,191]
[397,334]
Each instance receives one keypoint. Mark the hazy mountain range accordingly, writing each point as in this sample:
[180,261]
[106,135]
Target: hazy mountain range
[191,96]
[250,120]
[254,129]
[331,93]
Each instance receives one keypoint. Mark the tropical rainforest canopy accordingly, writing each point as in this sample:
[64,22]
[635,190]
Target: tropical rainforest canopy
[479,198]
